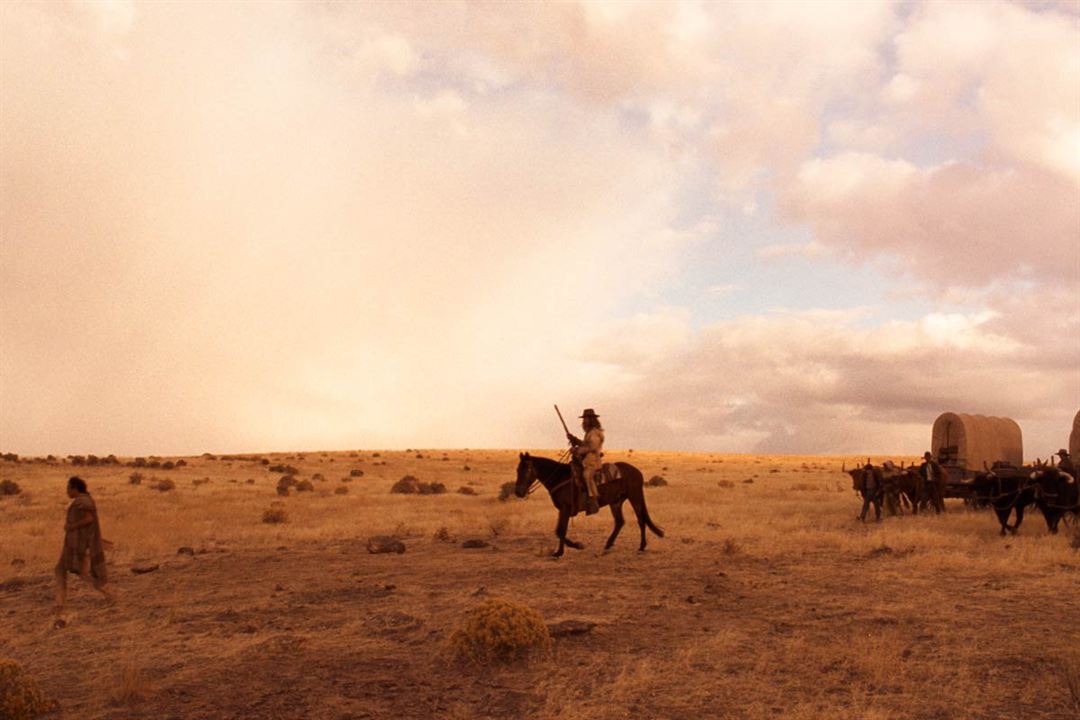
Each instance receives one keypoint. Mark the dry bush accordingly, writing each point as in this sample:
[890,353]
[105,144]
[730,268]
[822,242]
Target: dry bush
[284,469]
[356,472]
[131,685]
[443,535]
[1071,676]
[318,476]
[432,488]
[283,485]
[341,490]
[507,491]
[135,478]
[498,630]
[726,484]
[20,696]
[275,516]
[407,485]
[466,490]
[304,486]
[200,481]
[163,485]
[9,487]
[656,481]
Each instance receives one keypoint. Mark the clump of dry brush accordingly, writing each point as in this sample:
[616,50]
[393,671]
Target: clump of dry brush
[498,629]
[20,696]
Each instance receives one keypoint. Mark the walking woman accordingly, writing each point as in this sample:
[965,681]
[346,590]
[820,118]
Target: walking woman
[84,550]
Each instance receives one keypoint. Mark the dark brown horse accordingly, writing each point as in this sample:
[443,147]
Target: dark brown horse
[557,479]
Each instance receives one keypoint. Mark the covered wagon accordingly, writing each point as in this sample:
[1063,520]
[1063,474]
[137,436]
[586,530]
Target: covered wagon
[969,444]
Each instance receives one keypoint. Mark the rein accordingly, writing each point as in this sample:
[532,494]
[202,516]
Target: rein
[535,483]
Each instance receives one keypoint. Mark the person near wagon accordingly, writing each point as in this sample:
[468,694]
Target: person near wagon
[84,549]
[933,477]
[586,454]
[870,489]
[1065,463]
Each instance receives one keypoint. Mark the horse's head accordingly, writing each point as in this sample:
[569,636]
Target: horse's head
[526,475]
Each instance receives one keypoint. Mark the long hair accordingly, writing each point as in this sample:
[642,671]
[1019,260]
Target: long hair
[77,483]
[592,422]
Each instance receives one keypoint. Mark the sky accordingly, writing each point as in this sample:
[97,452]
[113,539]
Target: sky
[784,227]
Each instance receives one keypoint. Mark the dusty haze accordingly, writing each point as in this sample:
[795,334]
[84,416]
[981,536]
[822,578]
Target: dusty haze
[784,228]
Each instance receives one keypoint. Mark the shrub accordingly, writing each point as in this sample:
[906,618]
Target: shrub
[9,487]
[466,490]
[499,629]
[130,685]
[356,472]
[200,481]
[407,485]
[507,491]
[727,484]
[657,481]
[434,488]
[284,469]
[135,478]
[304,486]
[168,465]
[283,485]
[20,696]
[275,516]
[164,485]
[10,457]
[341,490]
[319,477]
[181,463]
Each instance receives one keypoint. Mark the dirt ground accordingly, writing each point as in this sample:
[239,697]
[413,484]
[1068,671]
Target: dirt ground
[765,599]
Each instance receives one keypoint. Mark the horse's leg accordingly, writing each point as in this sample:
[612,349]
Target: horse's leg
[616,512]
[1003,518]
[1019,517]
[637,502]
[560,531]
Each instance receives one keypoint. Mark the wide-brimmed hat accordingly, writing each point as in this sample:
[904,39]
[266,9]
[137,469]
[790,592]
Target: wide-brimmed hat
[927,454]
[589,412]
[1062,451]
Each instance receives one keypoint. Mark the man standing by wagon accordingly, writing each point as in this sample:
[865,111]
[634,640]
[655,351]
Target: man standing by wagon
[870,489]
[933,477]
[586,454]
[1065,464]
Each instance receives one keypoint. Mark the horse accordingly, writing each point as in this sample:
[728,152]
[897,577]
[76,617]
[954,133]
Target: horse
[557,478]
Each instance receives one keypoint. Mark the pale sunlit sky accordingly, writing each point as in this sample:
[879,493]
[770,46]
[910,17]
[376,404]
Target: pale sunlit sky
[798,227]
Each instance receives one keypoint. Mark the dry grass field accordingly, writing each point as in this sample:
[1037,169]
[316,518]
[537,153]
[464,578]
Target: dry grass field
[766,598]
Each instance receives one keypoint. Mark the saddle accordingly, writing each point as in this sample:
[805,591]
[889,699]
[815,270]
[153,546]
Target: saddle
[608,472]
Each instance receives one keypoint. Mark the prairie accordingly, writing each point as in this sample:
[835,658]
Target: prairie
[765,599]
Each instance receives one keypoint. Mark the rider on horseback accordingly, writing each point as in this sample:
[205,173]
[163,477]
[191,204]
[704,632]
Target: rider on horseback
[586,454]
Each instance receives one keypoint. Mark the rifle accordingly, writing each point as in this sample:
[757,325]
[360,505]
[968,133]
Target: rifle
[568,435]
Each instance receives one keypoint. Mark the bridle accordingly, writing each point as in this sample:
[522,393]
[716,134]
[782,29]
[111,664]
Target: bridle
[533,477]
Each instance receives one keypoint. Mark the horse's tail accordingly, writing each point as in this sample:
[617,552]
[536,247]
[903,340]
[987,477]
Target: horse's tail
[645,517]
[648,520]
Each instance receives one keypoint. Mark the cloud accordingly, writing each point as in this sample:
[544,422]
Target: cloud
[951,224]
[812,381]
[244,226]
